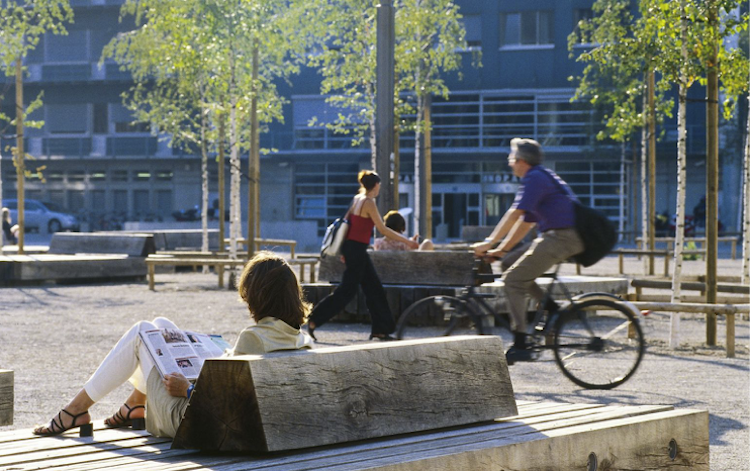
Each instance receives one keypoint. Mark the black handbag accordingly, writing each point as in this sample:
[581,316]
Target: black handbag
[597,232]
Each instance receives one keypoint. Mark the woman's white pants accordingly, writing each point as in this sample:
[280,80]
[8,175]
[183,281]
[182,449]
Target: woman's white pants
[129,360]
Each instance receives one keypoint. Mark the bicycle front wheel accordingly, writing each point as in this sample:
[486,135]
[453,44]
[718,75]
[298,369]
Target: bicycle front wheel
[598,344]
[435,316]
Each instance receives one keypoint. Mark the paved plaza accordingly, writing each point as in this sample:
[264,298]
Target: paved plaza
[53,337]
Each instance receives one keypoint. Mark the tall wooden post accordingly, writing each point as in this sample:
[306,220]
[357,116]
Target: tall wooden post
[253,184]
[651,168]
[712,166]
[222,184]
[384,119]
[20,154]
[426,174]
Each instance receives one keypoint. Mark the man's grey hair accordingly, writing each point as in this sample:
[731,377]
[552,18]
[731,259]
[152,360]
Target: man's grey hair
[528,150]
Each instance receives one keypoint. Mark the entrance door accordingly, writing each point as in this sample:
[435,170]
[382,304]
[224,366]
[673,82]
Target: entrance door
[454,206]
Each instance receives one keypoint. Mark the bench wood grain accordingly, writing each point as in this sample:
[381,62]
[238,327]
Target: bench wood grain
[6,397]
[299,399]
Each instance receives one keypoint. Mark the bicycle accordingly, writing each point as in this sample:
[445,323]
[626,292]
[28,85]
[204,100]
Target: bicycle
[596,338]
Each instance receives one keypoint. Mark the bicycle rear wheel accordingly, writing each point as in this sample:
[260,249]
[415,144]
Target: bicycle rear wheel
[435,316]
[598,344]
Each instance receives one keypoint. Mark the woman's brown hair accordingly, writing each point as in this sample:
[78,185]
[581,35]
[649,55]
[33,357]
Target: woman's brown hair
[368,179]
[270,288]
[395,221]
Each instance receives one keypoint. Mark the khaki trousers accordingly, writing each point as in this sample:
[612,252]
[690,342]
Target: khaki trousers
[551,248]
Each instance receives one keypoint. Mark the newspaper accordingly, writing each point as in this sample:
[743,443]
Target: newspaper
[182,351]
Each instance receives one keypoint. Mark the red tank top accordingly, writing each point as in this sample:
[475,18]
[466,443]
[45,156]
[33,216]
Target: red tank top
[360,229]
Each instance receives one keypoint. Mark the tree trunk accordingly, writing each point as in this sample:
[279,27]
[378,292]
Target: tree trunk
[674,332]
[623,167]
[651,167]
[419,193]
[204,188]
[746,205]
[222,184]
[427,170]
[644,181]
[234,210]
[712,164]
[20,155]
[253,183]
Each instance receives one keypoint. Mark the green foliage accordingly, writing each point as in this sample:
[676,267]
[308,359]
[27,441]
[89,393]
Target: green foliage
[429,36]
[22,24]
[191,61]
[622,48]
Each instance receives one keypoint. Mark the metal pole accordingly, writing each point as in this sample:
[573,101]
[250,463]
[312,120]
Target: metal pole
[384,119]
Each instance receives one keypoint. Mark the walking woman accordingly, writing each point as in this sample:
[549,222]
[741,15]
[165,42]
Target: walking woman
[363,216]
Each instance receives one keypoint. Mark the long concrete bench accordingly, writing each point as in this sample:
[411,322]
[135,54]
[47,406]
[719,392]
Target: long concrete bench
[133,245]
[6,397]
[436,268]
[299,399]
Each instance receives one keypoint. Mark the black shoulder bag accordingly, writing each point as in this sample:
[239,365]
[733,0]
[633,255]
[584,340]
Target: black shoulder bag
[597,232]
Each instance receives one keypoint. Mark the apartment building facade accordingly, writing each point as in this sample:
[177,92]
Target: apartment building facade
[101,166]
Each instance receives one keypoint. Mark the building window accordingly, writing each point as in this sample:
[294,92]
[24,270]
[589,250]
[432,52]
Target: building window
[66,119]
[579,15]
[142,175]
[323,192]
[101,118]
[120,176]
[473,26]
[527,28]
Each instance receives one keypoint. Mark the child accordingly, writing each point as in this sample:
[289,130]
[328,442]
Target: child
[394,220]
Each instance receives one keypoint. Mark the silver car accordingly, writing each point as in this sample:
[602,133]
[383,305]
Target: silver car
[38,216]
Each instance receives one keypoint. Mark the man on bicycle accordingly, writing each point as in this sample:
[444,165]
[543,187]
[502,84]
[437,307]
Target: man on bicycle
[543,200]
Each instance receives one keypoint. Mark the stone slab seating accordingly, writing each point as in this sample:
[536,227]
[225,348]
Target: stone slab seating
[133,245]
[176,239]
[299,399]
[20,269]
[6,397]
[475,233]
[439,267]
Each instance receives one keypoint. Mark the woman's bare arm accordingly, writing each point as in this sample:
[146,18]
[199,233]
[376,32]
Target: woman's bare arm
[370,209]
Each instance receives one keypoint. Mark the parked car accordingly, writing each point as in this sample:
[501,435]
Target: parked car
[39,216]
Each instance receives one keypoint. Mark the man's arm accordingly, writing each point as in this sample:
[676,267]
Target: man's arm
[517,233]
[508,221]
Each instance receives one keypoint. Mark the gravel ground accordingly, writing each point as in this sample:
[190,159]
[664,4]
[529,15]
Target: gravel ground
[54,336]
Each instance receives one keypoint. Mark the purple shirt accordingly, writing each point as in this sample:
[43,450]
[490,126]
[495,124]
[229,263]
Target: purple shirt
[545,202]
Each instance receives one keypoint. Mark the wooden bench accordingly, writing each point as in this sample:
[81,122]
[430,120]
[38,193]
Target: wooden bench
[697,240]
[219,261]
[550,436]
[6,397]
[726,306]
[292,244]
[300,399]
[666,253]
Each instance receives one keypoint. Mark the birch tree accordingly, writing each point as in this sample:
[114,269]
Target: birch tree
[22,25]
[619,53]
[429,38]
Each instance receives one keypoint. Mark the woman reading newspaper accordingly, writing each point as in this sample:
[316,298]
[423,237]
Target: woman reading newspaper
[274,297]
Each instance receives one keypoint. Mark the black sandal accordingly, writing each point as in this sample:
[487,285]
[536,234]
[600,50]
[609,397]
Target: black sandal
[55,427]
[118,420]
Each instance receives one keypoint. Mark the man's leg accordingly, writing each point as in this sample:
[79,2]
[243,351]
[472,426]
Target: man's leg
[551,248]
